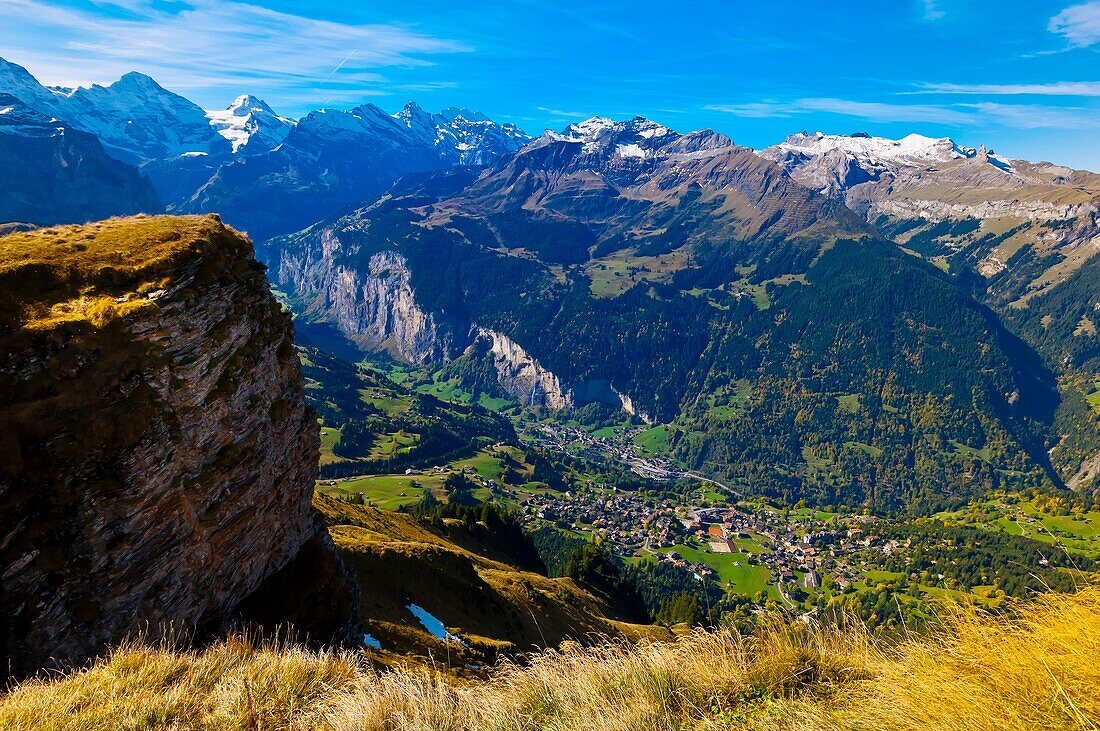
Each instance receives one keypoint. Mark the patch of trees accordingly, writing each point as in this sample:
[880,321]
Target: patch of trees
[594,568]
[493,527]
[967,557]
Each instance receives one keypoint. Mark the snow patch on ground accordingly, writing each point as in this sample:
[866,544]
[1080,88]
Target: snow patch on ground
[630,151]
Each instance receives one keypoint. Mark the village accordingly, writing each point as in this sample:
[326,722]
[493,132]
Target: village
[792,548]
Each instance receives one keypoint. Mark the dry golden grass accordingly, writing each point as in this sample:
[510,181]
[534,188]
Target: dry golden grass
[498,608]
[100,271]
[129,244]
[1040,670]
[976,673]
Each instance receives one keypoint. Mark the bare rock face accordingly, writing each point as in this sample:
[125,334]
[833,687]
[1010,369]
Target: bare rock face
[376,308]
[157,459]
[521,375]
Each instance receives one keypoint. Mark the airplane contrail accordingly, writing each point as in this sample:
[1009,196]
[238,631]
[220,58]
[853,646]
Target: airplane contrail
[341,64]
[338,67]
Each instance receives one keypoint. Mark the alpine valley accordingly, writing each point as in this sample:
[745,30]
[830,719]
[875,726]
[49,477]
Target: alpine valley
[426,386]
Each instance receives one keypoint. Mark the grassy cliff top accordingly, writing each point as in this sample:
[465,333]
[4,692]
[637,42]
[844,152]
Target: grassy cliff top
[492,604]
[98,271]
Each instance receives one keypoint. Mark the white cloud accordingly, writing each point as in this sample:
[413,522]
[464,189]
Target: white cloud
[932,10]
[1016,116]
[1030,116]
[1057,88]
[754,110]
[560,113]
[872,111]
[1079,24]
[221,45]
[886,112]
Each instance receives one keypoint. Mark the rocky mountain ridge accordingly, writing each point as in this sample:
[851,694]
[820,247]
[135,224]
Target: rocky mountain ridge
[58,174]
[971,208]
[263,172]
[624,263]
[250,125]
[333,160]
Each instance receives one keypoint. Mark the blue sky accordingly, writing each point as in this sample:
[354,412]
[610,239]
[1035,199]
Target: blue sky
[1021,76]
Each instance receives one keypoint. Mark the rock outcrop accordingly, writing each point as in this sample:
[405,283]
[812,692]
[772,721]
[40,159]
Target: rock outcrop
[519,374]
[157,459]
[376,308]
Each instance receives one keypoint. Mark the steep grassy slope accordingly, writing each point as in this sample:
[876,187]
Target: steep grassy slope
[492,608]
[1035,670]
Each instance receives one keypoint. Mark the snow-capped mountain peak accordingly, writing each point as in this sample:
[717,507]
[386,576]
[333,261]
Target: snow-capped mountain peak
[250,125]
[135,118]
[461,136]
[913,148]
[588,129]
[637,138]
[137,81]
[17,81]
[247,104]
[834,164]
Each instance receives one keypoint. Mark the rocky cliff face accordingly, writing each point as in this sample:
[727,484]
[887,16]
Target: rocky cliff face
[521,375]
[157,460]
[376,308]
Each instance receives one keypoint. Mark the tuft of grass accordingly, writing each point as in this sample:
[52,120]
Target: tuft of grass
[976,672]
[1037,669]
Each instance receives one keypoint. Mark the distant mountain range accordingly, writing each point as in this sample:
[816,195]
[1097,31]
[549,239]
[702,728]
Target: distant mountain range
[786,344]
[55,173]
[264,173]
[857,320]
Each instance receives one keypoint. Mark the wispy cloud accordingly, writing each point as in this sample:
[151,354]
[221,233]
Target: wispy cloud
[561,113]
[1056,88]
[872,111]
[224,46]
[1031,116]
[932,10]
[886,111]
[1079,24]
[1017,116]
[755,110]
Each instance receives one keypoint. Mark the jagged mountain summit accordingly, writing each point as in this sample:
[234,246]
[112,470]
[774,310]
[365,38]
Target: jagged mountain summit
[1018,232]
[250,125]
[263,172]
[850,166]
[333,160]
[638,183]
[463,137]
[135,118]
[18,82]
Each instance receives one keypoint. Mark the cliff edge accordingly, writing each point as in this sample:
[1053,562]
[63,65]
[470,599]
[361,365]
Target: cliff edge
[157,459]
